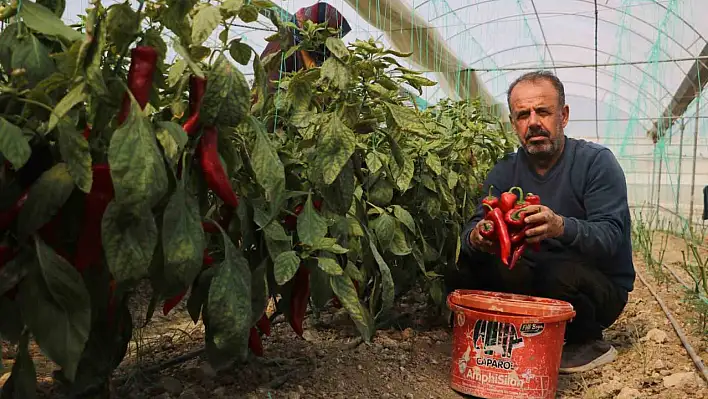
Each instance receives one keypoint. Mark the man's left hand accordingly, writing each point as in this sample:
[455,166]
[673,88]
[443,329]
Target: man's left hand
[547,224]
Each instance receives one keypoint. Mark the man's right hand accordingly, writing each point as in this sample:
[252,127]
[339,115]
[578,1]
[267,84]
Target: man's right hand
[478,242]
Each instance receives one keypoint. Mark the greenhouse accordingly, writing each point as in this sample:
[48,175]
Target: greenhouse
[336,198]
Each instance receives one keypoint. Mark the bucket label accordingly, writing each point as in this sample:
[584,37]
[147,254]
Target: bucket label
[499,359]
[531,329]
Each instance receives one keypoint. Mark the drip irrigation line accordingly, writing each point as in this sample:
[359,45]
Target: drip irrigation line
[605,64]
[679,331]
[597,99]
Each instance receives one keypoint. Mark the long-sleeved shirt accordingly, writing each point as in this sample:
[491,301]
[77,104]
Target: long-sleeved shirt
[587,187]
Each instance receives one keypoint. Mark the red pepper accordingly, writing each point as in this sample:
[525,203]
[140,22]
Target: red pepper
[517,254]
[208,260]
[90,246]
[497,218]
[299,298]
[254,342]
[263,324]
[515,217]
[9,215]
[490,200]
[172,302]
[532,199]
[143,65]
[508,199]
[214,174]
[487,231]
[290,220]
[87,131]
[209,227]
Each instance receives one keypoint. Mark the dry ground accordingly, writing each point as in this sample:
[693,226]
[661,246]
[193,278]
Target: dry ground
[411,361]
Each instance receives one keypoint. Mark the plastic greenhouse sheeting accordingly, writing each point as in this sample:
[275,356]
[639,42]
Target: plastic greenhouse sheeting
[643,49]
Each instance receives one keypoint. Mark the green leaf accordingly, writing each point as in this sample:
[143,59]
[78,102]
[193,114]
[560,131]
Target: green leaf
[336,72]
[9,39]
[240,52]
[353,272]
[329,266]
[70,100]
[56,306]
[433,162]
[259,290]
[344,289]
[336,146]
[137,167]
[337,47]
[452,179]
[56,6]
[399,244]
[13,145]
[179,49]
[122,24]
[383,227]
[387,286]
[403,174]
[248,13]
[183,239]
[329,244]
[229,305]
[206,20]
[406,118]
[42,20]
[404,217]
[46,196]
[11,323]
[373,162]
[232,6]
[285,266]
[176,72]
[311,226]
[269,170]
[129,239]
[227,98]
[32,56]
[173,140]
[75,151]
[23,379]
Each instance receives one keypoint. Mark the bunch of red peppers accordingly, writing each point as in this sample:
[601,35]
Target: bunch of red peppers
[504,223]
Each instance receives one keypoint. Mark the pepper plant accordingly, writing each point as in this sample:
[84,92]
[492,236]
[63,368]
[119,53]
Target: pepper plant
[119,166]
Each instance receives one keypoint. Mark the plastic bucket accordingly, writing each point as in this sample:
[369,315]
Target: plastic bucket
[506,345]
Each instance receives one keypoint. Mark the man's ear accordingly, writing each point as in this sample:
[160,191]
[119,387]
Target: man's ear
[566,114]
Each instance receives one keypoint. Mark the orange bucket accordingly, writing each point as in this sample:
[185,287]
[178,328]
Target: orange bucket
[506,346]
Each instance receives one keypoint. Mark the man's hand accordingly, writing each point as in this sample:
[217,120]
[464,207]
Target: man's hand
[547,224]
[477,241]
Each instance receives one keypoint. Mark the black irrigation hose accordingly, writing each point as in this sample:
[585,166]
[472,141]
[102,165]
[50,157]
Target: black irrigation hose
[679,331]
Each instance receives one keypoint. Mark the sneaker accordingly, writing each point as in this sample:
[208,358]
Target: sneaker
[578,358]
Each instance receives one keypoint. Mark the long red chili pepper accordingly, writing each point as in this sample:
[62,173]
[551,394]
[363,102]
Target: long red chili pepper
[254,342]
[517,254]
[87,131]
[214,174]
[8,216]
[143,64]
[497,217]
[172,302]
[90,246]
[197,88]
[263,324]
[299,298]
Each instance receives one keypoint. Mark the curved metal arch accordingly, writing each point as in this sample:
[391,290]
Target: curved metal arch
[572,46]
[623,109]
[482,24]
[639,89]
[592,2]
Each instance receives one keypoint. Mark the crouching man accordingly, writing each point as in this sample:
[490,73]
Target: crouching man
[583,224]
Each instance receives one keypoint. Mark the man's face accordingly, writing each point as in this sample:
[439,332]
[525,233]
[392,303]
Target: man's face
[538,118]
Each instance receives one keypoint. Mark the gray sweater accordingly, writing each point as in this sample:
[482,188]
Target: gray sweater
[587,188]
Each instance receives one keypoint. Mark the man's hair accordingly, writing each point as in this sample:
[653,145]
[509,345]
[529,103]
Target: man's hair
[535,76]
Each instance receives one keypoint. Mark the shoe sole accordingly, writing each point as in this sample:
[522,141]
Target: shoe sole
[607,357]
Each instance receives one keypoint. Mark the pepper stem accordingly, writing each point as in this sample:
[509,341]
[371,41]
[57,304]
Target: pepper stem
[488,206]
[520,191]
[490,191]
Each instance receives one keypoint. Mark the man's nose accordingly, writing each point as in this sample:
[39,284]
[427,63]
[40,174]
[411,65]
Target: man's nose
[534,120]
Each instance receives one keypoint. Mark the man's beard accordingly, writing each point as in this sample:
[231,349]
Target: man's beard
[542,150]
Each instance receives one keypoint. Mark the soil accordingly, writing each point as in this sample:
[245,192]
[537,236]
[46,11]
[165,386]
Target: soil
[411,360]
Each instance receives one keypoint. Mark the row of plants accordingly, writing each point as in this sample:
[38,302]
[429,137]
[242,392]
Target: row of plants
[121,166]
